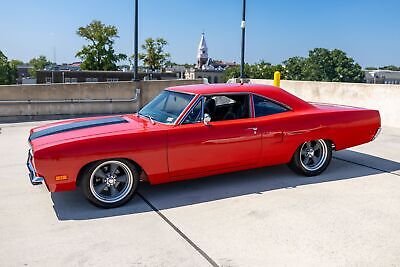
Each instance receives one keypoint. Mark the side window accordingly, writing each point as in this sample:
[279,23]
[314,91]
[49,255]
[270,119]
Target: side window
[265,107]
[227,107]
[194,115]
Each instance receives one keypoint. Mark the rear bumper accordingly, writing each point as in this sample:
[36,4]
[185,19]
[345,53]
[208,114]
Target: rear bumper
[377,133]
[33,177]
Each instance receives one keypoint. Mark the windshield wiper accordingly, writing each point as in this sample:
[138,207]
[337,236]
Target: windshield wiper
[148,116]
[151,119]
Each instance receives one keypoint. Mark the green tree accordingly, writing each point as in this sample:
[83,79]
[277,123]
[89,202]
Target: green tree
[265,70]
[99,54]
[188,65]
[234,72]
[261,70]
[169,63]
[154,56]
[16,62]
[346,69]
[324,65]
[4,69]
[8,70]
[13,68]
[38,63]
[294,68]
[320,65]
[390,67]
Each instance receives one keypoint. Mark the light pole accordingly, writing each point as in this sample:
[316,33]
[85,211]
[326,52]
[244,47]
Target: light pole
[136,43]
[243,26]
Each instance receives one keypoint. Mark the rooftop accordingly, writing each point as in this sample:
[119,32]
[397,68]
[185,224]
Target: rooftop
[349,215]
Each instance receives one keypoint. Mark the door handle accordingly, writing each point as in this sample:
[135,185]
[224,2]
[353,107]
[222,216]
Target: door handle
[254,129]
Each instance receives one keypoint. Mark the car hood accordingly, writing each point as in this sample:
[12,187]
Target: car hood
[68,130]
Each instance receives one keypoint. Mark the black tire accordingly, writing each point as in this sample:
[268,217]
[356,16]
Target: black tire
[110,183]
[306,153]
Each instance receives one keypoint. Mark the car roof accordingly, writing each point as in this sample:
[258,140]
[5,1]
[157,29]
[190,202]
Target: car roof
[268,91]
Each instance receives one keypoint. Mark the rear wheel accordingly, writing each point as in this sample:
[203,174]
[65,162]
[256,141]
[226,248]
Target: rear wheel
[111,183]
[312,157]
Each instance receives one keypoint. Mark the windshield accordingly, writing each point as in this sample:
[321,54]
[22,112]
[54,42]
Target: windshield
[166,107]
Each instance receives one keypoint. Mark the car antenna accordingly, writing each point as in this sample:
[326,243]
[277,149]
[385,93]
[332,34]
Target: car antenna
[137,97]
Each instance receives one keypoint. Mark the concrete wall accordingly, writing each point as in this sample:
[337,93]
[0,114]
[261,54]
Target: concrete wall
[385,98]
[382,97]
[79,91]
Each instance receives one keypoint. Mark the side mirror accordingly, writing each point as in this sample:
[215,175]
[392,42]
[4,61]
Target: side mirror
[207,119]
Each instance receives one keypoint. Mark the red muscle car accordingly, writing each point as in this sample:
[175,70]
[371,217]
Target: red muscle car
[193,131]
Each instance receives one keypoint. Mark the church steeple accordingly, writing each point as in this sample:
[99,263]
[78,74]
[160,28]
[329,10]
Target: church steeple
[202,55]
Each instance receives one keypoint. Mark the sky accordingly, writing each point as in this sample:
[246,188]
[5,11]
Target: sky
[366,30]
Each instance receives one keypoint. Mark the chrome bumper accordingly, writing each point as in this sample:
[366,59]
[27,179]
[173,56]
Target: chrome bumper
[35,180]
[377,133]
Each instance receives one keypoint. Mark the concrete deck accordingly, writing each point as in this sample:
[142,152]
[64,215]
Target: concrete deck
[348,216]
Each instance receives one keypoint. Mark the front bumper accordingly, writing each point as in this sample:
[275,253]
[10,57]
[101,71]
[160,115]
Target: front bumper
[34,178]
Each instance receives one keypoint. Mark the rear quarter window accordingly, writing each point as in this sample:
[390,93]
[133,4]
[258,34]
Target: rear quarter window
[266,107]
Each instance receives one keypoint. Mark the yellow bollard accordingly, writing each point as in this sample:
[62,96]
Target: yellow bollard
[277,79]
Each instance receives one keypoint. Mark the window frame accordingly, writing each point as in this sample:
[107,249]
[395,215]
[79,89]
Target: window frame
[203,96]
[112,80]
[184,111]
[199,99]
[288,108]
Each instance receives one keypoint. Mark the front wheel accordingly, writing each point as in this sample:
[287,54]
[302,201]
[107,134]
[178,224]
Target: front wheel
[312,157]
[110,183]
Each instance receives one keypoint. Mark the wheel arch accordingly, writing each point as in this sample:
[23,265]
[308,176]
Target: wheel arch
[333,145]
[141,171]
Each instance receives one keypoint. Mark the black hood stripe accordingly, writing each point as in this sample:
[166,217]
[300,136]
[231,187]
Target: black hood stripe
[76,126]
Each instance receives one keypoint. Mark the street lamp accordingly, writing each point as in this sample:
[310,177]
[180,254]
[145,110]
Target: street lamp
[243,26]
[136,43]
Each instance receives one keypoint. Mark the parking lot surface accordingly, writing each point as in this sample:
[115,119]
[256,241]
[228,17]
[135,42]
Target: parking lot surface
[348,216]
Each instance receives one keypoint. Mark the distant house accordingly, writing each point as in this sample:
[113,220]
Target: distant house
[206,67]
[23,74]
[382,76]
[212,76]
[76,66]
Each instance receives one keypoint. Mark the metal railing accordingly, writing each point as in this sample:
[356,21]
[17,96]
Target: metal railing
[73,101]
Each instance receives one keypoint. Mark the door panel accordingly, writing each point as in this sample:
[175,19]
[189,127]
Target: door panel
[274,149]
[197,148]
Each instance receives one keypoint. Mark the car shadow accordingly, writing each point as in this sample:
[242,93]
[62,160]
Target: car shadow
[73,206]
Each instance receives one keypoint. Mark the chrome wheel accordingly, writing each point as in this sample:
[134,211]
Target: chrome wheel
[313,154]
[111,181]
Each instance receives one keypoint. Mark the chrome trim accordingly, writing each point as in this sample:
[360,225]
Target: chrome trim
[227,93]
[206,119]
[252,109]
[188,107]
[254,129]
[35,180]
[170,89]
[201,98]
[231,93]
[203,102]
[378,131]
[251,103]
